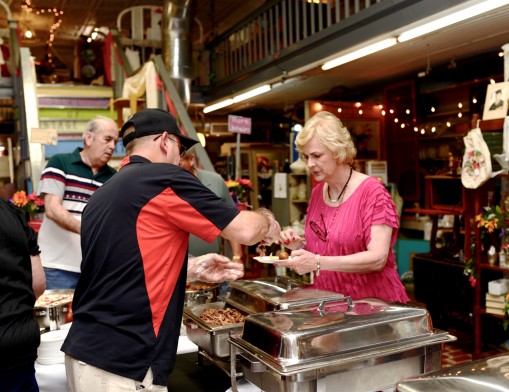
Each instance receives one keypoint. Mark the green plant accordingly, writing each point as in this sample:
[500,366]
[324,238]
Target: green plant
[506,312]
[470,266]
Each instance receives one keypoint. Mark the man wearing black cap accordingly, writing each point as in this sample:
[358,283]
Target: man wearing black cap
[135,230]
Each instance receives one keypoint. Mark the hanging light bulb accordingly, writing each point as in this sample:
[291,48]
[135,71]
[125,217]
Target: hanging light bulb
[28,34]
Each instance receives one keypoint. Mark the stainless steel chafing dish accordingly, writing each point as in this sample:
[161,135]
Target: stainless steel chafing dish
[274,293]
[249,297]
[483,375]
[212,339]
[365,347]
[54,308]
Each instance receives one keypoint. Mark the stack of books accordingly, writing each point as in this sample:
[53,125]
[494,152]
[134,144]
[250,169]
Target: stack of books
[495,304]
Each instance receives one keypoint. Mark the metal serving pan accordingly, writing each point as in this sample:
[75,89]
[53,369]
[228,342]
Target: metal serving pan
[483,375]
[198,293]
[54,308]
[365,347]
[213,340]
[274,293]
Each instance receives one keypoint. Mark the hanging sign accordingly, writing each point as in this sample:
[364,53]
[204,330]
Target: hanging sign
[44,136]
[239,124]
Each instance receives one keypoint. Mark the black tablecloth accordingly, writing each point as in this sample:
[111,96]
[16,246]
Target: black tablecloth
[189,376]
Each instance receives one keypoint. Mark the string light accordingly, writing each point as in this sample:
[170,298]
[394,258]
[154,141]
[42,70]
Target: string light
[27,7]
[404,119]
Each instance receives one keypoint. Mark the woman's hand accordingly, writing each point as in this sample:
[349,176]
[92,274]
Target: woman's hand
[290,239]
[301,262]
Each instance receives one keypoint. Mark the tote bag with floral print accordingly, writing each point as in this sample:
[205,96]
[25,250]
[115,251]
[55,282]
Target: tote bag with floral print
[476,169]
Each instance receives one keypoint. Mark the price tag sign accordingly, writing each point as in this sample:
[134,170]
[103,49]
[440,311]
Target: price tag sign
[44,136]
[239,124]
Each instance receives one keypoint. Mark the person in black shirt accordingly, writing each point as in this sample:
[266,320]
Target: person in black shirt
[135,229]
[22,281]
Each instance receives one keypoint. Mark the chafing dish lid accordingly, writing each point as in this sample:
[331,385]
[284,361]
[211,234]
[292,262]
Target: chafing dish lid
[290,336]
[280,292]
[482,375]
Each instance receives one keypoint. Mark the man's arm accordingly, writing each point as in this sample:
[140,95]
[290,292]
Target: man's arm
[54,210]
[251,227]
[38,276]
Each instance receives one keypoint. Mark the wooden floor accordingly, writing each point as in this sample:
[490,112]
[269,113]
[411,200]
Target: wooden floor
[453,354]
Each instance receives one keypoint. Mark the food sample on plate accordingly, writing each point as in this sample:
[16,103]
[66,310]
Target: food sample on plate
[283,255]
[192,286]
[53,299]
[220,317]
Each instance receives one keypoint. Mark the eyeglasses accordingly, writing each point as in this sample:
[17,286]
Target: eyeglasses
[182,149]
[320,232]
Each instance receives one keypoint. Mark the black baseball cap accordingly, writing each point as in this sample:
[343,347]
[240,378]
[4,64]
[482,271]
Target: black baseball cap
[153,122]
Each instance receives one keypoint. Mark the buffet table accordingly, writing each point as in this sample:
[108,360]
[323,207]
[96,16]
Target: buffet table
[51,378]
[187,374]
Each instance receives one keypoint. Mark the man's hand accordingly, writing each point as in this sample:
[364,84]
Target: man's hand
[212,268]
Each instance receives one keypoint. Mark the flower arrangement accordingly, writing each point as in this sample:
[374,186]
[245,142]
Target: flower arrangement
[239,189]
[490,221]
[30,203]
[470,267]
[491,218]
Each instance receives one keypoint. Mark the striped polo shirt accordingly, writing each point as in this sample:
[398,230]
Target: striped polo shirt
[67,176]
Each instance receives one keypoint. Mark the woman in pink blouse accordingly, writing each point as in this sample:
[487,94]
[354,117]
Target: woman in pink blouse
[351,223]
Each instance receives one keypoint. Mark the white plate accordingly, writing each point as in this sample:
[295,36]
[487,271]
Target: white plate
[269,259]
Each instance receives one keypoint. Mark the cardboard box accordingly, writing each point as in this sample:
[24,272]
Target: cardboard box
[498,287]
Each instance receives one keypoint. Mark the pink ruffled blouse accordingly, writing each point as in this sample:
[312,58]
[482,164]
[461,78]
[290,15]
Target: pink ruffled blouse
[349,232]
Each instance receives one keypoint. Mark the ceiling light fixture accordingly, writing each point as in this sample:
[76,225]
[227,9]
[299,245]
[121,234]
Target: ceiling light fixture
[252,93]
[238,98]
[440,23]
[219,105]
[362,52]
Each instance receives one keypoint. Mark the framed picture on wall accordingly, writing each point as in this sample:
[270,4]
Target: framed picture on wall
[496,103]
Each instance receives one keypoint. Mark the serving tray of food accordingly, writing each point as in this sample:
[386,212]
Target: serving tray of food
[54,308]
[209,326]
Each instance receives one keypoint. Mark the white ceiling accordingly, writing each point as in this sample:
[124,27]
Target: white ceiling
[479,35]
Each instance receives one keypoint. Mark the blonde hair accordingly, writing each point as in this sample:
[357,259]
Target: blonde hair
[329,131]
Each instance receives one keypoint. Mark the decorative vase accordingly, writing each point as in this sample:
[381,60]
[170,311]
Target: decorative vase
[298,166]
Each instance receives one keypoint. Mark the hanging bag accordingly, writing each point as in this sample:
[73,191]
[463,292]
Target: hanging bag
[476,169]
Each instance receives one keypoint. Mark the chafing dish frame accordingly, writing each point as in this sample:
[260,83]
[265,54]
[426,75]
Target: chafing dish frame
[262,371]
[376,366]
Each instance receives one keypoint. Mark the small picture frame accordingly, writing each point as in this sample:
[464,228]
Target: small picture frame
[496,103]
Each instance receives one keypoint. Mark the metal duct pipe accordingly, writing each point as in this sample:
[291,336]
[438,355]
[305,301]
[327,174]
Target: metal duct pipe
[176,50]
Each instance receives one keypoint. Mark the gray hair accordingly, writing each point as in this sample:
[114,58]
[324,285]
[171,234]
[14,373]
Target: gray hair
[95,124]
[329,131]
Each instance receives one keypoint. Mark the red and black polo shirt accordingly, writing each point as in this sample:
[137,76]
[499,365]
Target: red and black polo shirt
[134,237]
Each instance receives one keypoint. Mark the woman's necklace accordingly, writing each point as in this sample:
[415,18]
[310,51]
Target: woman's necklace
[342,191]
